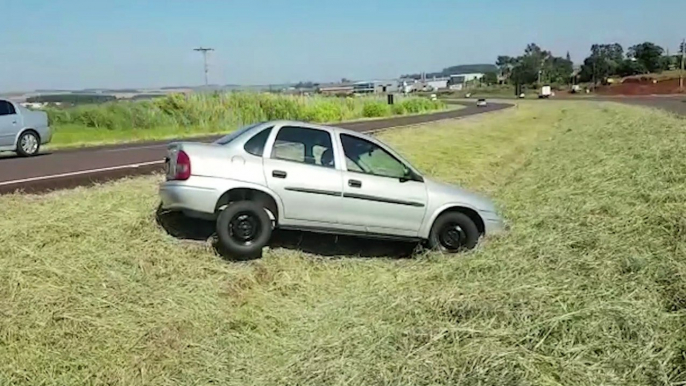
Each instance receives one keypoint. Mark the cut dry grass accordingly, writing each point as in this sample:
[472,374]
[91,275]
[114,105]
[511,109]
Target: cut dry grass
[587,289]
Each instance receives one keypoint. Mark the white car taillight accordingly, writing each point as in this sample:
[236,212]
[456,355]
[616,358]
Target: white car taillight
[182,171]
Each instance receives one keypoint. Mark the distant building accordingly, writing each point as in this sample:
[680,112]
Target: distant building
[459,81]
[433,84]
[335,89]
[376,86]
[33,105]
[436,84]
[406,85]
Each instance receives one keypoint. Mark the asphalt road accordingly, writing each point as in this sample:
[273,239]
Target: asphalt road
[71,168]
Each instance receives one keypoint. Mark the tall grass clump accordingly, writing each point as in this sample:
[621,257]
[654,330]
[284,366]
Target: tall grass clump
[220,112]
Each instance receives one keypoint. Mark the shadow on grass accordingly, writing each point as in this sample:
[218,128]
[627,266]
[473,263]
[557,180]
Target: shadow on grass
[191,229]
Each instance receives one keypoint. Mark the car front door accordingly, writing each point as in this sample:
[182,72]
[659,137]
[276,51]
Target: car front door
[378,192]
[9,123]
[301,169]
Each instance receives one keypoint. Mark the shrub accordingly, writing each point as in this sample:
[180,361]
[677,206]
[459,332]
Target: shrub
[372,109]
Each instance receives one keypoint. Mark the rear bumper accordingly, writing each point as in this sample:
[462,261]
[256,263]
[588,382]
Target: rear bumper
[187,198]
[45,134]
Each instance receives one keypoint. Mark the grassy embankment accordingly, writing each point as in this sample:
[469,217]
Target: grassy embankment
[588,287]
[197,114]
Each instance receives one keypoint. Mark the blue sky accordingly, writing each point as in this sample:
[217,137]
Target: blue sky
[148,43]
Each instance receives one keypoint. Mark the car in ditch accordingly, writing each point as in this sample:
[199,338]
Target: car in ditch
[22,130]
[308,177]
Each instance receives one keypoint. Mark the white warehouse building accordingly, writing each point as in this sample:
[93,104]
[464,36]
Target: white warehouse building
[457,82]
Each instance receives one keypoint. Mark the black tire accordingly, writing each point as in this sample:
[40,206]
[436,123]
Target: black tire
[29,137]
[453,232]
[243,229]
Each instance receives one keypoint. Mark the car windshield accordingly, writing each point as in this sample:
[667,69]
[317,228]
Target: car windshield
[233,135]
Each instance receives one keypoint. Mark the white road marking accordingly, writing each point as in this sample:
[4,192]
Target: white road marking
[89,171]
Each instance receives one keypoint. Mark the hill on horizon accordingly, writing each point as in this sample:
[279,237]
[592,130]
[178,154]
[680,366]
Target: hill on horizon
[456,70]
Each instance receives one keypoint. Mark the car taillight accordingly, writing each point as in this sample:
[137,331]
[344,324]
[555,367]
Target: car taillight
[183,166]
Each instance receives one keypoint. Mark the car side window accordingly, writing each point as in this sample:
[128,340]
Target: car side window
[255,145]
[304,145]
[362,156]
[6,108]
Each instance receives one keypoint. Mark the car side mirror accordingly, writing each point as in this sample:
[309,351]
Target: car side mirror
[410,176]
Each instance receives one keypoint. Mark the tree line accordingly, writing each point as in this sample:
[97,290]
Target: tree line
[454,70]
[537,66]
[607,60]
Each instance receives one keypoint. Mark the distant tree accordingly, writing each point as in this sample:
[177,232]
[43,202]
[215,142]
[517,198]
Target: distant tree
[667,62]
[568,57]
[649,55]
[306,84]
[603,62]
[534,65]
[558,70]
[505,64]
[490,77]
[525,71]
[629,67]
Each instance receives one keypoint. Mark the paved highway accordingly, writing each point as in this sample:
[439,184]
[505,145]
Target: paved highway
[71,168]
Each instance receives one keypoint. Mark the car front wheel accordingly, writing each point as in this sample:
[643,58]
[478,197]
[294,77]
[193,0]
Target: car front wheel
[243,229]
[453,232]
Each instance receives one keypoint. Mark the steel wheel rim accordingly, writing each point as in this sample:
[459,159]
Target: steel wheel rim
[29,143]
[452,237]
[244,228]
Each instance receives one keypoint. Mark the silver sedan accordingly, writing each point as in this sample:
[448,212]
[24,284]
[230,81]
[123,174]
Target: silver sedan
[302,176]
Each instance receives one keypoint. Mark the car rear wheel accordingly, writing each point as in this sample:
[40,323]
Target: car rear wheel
[28,144]
[453,232]
[243,229]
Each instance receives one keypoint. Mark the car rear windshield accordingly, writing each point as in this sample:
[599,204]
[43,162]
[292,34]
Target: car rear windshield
[230,137]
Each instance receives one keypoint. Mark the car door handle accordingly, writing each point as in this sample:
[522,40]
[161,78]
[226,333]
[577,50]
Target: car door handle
[279,174]
[355,183]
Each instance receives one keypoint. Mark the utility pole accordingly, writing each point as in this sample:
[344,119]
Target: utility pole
[204,56]
[683,59]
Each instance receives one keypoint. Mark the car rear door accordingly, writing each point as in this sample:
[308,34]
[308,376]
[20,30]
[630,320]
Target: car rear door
[375,193]
[10,123]
[300,168]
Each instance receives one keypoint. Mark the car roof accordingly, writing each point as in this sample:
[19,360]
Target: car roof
[284,122]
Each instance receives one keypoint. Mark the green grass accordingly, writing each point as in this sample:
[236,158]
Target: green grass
[586,289]
[177,116]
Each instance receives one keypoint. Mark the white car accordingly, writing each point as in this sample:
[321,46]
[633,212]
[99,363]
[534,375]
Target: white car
[21,130]
[481,102]
[297,175]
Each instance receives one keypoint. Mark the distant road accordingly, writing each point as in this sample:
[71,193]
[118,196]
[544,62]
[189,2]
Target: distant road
[672,103]
[70,168]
